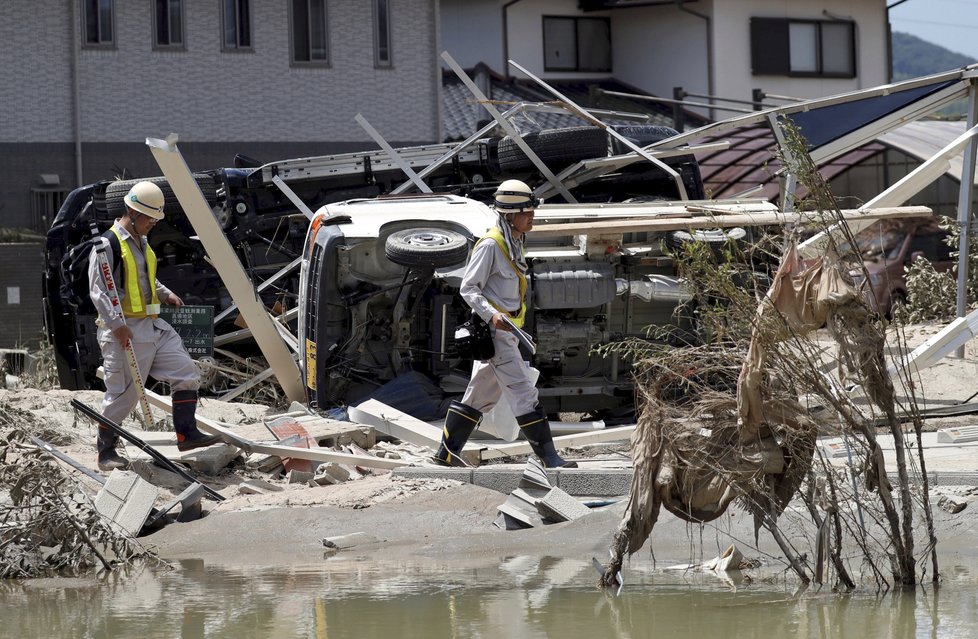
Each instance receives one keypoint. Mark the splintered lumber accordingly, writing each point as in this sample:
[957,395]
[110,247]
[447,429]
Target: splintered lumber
[314,454]
[579,439]
[395,423]
[409,429]
[717,219]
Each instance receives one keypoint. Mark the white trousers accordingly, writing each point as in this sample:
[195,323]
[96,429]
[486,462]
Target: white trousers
[159,352]
[505,376]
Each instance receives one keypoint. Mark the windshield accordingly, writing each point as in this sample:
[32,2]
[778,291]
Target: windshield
[875,245]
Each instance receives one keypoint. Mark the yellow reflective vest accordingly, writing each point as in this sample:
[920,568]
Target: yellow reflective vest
[495,234]
[133,304]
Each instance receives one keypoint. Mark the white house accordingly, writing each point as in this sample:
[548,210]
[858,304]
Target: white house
[724,48]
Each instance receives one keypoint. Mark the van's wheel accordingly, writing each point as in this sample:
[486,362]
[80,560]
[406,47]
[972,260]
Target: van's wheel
[715,239]
[426,247]
[115,193]
[558,148]
[639,135]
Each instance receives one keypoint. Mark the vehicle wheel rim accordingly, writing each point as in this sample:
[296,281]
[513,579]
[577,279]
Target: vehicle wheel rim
[428,239]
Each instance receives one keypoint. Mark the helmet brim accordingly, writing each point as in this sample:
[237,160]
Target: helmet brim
[148,211]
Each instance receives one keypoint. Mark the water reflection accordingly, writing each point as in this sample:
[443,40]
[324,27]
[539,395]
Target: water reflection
[519,596]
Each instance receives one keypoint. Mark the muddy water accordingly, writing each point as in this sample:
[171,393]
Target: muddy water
[520,597]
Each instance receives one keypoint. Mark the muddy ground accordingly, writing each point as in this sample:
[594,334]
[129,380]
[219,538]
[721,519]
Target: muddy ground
[447,521]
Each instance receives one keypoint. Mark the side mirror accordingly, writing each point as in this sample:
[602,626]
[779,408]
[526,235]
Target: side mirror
[915,255]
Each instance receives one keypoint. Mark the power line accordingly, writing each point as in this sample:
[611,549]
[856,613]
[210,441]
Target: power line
[935,22]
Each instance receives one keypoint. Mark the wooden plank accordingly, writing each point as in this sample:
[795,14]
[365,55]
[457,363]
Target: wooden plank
[233,275]
[405,427]
[717,221]
[579,439]
[395,423]
[320,454]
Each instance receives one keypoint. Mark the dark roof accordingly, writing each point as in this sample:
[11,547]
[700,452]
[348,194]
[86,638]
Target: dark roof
[462,118]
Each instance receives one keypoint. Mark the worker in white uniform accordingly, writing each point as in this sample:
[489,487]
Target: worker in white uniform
[494,285]
[158,348]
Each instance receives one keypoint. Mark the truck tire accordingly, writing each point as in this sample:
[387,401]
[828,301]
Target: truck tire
[431,247]
[639,134]
[558,148]
[115,193]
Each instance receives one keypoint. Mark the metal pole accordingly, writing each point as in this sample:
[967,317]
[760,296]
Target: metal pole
[397,159]
[508,128]
[613,133]
[678,115]
[965,199]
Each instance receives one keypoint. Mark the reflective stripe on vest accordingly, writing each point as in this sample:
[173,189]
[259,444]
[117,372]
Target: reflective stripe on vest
[132,305]
[497,235]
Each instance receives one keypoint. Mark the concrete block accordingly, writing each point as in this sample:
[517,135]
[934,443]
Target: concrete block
[258,487]
[126,500]
[504,480]
[522,517]
[338,472]
[463,475]
[210,460]
[299,477]
[559,506]
[595,483]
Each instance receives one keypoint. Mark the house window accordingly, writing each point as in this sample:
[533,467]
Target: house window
[99,23]
[168,24]
[382,33]
[576,44]
[812,48]
[310,44]
[237,25]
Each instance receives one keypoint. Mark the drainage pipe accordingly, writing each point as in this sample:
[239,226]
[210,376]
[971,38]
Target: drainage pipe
[711,89]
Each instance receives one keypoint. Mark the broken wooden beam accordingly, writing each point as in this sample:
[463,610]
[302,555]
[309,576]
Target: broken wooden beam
[763,218]
[321,454]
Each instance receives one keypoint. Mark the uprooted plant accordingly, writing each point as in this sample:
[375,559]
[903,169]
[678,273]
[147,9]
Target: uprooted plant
[737,419]
[48,522]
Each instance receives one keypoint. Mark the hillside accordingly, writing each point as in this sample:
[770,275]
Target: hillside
[913,57]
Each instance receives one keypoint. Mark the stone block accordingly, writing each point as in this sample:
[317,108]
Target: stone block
[594,483]
[299,477]
[126,500]
[559,506]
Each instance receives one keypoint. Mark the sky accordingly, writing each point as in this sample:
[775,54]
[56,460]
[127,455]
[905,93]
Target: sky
[952,24]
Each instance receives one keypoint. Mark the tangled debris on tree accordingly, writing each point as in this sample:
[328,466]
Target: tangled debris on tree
[724,422]
[48,522]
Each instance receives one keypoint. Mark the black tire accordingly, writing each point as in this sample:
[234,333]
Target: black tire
[716,239]
[639,134]
[558,148]
[115,193]
[430,247]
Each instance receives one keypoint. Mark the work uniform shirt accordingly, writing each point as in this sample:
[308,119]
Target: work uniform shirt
[505,376]
[158,349]
[490,276]
[142,327]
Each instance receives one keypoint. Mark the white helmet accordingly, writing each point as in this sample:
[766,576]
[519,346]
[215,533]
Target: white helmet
[146,198]
[513,196]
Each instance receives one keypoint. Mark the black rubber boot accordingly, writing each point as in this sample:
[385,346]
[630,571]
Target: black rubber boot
[537,430]
[108,458]
[185,422]
[459,424]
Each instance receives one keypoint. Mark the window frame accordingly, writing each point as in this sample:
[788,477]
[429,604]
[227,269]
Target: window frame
[170,46]
[770,46]
[293,61]
[237,48]
[85,10]
[384,33]
[577,46]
